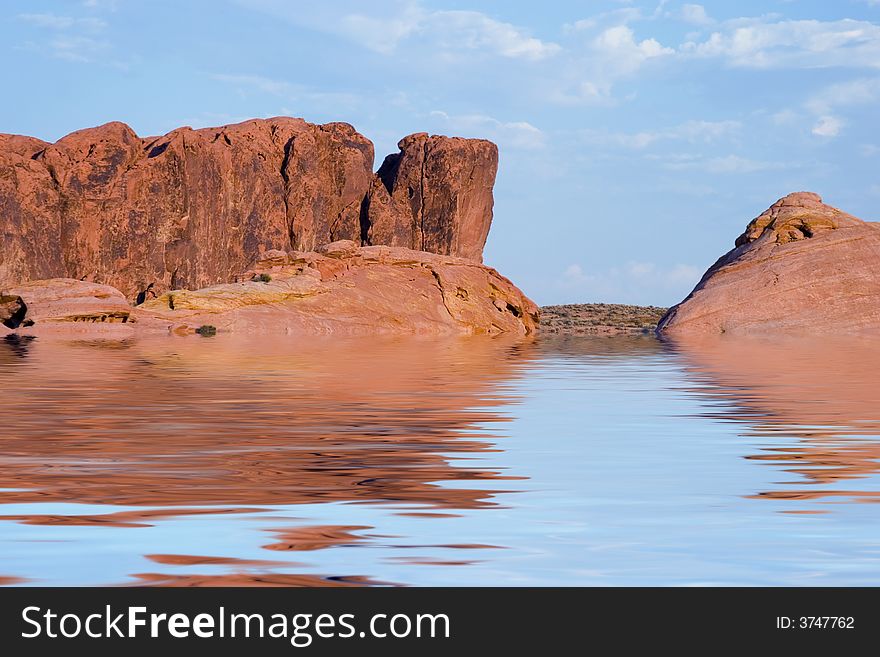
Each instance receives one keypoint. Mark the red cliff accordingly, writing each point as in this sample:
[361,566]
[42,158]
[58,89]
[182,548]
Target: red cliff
[434,195]
[196,207]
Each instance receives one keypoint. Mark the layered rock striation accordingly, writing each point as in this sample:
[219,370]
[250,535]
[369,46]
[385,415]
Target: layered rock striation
[342,288]
[193,208]
[801,266]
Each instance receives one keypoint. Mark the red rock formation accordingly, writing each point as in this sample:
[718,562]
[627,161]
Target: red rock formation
[187,209]
[30,220]
[195,207]
[344,289]
[62,300]
[800,266]
[435,195]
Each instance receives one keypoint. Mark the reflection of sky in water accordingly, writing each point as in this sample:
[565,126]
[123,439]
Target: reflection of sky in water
[610,462]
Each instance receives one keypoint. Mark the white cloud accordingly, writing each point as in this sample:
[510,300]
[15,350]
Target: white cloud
[695,15]
[475,31]
[620,50]
[852,92]
[691,131]
[825,103]
[515,134]
[288,91]
[579,25]
[76,48]
[72,39]
[727,164]
[756,43]
[56,22]
[388,26]
[109,5]
[631,282]
[784,117]
[827,126]
[595,62]
[737,164]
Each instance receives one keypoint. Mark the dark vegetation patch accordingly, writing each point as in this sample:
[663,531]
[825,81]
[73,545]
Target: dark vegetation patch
[599,319]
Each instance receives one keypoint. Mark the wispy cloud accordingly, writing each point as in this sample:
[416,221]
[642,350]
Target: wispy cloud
[826,103]
[691,131]
[109,5]
[827,126]
[724,164]
[695,15]
[758,43]
[844,94]
[76,48]
[620,49]
[388,27]
[514,134]
[70,38]
[56,22]
[288,91]
[632,282]
[601,55]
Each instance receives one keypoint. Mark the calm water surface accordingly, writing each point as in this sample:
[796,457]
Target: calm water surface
[579,461]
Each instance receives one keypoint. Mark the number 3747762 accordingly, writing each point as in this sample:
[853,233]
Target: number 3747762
[815,622]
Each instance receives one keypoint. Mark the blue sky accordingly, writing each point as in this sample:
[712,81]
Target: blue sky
[637,138]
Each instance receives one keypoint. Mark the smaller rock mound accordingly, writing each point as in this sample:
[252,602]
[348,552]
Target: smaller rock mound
[798,216]
[800,266]
[60,300]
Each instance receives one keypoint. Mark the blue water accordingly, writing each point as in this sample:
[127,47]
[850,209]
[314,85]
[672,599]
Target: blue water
[563,461]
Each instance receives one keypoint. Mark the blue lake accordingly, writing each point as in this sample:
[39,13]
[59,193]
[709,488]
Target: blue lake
[416,461]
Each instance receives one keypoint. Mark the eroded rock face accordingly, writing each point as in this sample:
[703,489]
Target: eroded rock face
[353,290]
[194,207]
[801,266]
[798,216]
[187,209]
[342,289]
[66,300]
[434,195]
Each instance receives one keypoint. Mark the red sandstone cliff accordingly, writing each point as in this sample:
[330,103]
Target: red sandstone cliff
[434,195]
[196,207]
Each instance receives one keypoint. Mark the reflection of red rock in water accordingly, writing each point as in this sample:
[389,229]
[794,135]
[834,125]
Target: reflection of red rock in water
[822,392]
[306,539]
[800,266]
[139,518]
[231,422]
[247,579]
[191,560]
